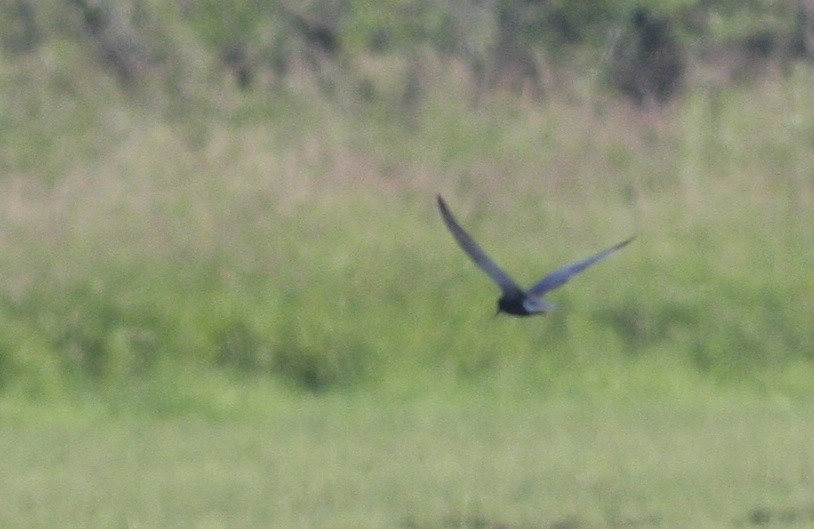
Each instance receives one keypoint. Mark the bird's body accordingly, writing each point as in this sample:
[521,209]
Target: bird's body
[514,300]
[521,304]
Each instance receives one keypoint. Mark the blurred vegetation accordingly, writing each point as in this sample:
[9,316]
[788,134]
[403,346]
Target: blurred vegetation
[247,188]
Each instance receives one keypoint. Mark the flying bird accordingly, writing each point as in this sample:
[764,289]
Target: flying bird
[514,300]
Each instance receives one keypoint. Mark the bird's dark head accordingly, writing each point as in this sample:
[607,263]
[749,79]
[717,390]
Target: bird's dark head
[502,305]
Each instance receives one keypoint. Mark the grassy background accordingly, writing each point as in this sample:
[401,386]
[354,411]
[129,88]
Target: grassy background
[266,244]
[444,460]
[247,313]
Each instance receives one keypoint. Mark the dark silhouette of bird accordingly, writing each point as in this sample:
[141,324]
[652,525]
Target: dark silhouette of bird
[514,300]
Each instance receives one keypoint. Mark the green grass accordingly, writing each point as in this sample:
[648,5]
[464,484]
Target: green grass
[315,254]
[462,459]
[247,313]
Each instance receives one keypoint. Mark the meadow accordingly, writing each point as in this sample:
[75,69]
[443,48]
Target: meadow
[249,314]
[462,459]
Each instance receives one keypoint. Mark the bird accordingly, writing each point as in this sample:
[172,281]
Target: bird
[514,300]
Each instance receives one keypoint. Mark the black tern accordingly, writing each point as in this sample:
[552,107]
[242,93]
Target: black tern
[514,300]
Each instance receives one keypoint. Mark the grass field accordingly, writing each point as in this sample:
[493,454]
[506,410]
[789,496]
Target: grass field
[316,254]
[463,459]
[247,313]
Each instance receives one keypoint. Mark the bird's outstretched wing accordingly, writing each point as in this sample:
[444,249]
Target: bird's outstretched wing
[477,254]
[560,277]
